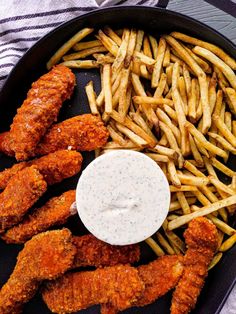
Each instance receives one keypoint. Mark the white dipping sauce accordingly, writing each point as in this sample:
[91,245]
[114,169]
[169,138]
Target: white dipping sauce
[123,197]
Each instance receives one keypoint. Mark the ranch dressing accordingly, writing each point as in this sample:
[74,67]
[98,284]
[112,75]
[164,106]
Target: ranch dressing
[122,197]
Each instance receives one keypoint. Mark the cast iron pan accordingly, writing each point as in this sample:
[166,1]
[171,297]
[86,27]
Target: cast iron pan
[32,65]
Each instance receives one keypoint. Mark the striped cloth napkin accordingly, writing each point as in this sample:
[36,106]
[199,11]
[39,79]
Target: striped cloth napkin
[23,22]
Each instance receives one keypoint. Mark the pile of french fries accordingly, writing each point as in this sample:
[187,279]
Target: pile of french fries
[174,99]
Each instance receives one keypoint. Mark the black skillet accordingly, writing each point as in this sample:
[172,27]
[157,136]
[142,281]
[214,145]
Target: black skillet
[155,21]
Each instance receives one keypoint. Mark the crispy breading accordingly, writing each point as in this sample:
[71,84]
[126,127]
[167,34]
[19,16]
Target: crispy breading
[55,212]
[118,285]
[201,239]
[54,167]
[4,144]
[159,277]
[94,252]
[46,256]
[39,110]
[22,191]
[83,133]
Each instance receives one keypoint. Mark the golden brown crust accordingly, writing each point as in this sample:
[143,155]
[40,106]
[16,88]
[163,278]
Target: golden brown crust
[118,285]
[45,257]
[94,252]
[83,133]
[201,239]
[22,191]
[54,167]
[39,110]
[55,212]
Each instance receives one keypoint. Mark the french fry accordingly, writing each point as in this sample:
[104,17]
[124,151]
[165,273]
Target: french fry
[123,104]
[187,79]
[169,71]
[154,46]
[91,97]
[183,188]
[201,78]
[183,94]
[155,247]
[200,137]
[164,243]
[210,56]
[203,64]
[107,88]
[173,174]
[170,137]
[222,81]
[225,144]
[192,180]
[166,60]
[231,94]
[221,186]
[183,202]
[180,221]
[212,92]
[138,119]
[146,47]
[143,58]
[165,151]
[140,100]
[157,157]
[107,42]
[163,141]
[175,241]
[162,116]
[130,48]
[234,128]
[128,145]
[171,113]
[116,136]
[81,64]
[158,64]
[119,60]
[190,167]
[213,48]
[139,40]
[222,127]
[179,110]
[226,245]
[67,46]
[192,104]
[215,260]
[144,72]
[86,44]
[222,226]
[161,86]
[175,205]
[137,85]
[131,135]
[113,35]
[84,53]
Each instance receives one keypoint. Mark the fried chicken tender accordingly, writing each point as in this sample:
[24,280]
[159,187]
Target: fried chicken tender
[54,167]
[40,110]
[83,133]
[118,285]
[54,213]
[201,239]
[159,277]
[45,257]
[22,191]
[4,144]
[94,252]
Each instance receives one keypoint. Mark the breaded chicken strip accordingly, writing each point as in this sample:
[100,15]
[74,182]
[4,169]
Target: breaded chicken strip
[94,252]
[201,239]
[159,277]
[118,285]
[4,144]
[40,110]
[22,191]
[45,257]
[54,167]
[55,212]
[83,133]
